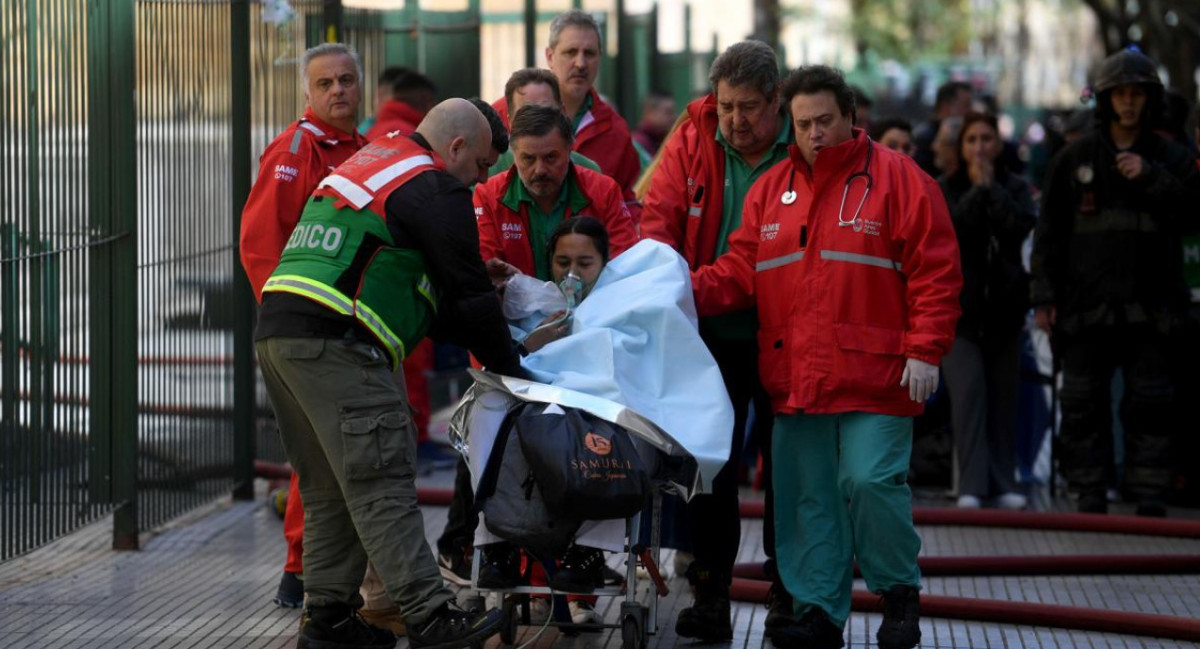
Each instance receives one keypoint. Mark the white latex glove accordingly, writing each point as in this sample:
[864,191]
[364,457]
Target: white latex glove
[921,379]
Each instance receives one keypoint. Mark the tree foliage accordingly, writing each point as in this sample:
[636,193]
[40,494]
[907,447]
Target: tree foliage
[1168,31]
[911,30]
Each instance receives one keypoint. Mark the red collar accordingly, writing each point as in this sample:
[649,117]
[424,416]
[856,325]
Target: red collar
[327,133]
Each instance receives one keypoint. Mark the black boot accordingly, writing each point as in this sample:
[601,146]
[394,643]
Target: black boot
[290,593]
[340,627]
[450,627]
[814,630]
[581,571]
[708,618]
[499,567]
[901,626]
[779,607]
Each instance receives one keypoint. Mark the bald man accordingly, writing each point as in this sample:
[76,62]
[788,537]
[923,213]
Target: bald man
[386,252]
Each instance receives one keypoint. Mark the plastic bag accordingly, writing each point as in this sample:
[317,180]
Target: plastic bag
[526,296]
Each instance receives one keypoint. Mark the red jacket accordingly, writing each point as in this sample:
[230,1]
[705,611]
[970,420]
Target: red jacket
[602,136]
[503,233]
[686,201]
[395,115]
[288,171]
[840,308]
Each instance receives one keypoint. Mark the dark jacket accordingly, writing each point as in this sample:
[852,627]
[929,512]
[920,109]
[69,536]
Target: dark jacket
[1107,249]
[432,213]
[991,224]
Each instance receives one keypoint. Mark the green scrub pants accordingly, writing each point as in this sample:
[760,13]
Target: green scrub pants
[841,494]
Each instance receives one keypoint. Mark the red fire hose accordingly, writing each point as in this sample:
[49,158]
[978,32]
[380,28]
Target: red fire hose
[748,587]
[1026,613]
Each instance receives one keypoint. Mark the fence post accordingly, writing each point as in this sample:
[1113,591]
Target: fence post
[243,298]
[531,58]
[112,206]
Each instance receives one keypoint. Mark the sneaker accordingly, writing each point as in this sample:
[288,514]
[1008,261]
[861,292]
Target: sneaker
[814,630]
[708,618]
[901,626]
[1012,501]
[388,619]
[583,612]
[779,607]
[290,593]
[450,627]
[967,501]
[499,567]
[340,627]
[455,567]
[581,571]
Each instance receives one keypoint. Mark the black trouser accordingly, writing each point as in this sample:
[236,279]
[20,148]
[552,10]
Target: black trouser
[462,519]
[1089,360]
[715,520]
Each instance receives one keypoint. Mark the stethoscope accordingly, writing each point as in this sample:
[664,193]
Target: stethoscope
[789,196]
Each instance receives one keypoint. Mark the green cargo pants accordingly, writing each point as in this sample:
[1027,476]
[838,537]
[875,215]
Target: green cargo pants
[347,431]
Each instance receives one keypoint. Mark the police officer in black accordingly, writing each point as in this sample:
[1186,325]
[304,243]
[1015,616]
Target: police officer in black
[1108,282]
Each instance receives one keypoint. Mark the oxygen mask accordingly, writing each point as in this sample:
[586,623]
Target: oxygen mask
[572,289]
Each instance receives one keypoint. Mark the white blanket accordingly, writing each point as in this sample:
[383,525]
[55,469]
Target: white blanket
[634,340]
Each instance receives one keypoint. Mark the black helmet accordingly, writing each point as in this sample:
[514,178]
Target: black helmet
[1128,66]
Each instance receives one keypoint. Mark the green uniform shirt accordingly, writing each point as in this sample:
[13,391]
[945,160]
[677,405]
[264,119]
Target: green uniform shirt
[583,110]
[739,176]
[541,224]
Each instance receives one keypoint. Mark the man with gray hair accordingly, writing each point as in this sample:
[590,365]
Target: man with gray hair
[288,172]
[384,254]
[574,55]
[731,137]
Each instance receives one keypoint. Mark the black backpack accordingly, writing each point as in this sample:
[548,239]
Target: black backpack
[510,499]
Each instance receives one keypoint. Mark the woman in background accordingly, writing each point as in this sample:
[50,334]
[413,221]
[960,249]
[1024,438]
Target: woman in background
[993,212]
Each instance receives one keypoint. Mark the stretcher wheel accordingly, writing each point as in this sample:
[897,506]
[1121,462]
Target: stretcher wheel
[510,613]
[632,635]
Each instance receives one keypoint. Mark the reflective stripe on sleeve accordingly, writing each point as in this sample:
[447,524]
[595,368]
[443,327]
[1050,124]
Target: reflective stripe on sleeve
[768,264]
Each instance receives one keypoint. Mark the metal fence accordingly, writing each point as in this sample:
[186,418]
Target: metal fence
[130,131]
[46,264]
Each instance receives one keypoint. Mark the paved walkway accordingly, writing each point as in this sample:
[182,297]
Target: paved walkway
[207,582]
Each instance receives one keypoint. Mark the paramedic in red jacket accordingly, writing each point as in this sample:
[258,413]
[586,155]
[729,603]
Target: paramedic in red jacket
[848,252]
[574,56]
[288,171]
[730,138]
[516,211]
[410,96]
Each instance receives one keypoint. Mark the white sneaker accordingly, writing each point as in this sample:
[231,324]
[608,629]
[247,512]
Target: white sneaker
[967,501]
[1011,500]
[583,613]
